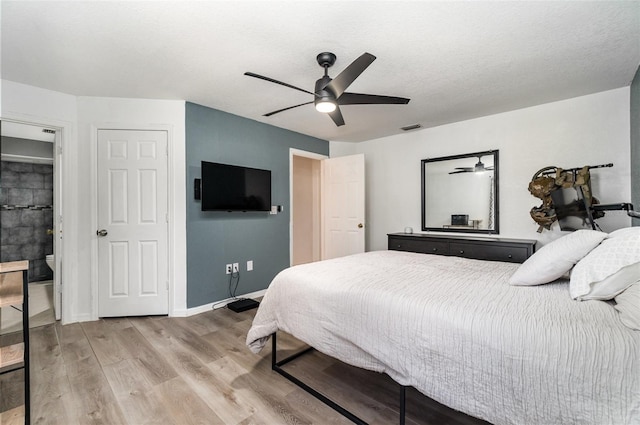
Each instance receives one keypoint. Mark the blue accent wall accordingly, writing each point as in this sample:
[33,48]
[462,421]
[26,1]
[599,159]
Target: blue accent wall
[218,238]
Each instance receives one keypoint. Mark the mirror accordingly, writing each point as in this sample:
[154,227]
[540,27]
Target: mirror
[460,193]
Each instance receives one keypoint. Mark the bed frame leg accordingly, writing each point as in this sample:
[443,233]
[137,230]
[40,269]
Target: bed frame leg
[403,399]
[273,351]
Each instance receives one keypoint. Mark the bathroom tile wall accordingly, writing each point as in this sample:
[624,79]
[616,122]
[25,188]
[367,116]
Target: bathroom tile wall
[26,199]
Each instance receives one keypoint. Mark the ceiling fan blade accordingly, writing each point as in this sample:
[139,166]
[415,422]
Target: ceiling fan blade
[285,109]
[458,172]
[370,99]
[466,169]
[336,116]
[271,80]
[339,84]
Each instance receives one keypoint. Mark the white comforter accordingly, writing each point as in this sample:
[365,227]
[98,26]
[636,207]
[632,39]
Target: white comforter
[454,329]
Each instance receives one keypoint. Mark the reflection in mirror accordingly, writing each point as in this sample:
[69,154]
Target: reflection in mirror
[460,193]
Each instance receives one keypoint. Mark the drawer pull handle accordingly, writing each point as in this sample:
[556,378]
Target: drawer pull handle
[461,252]
[510,256]
[435,249]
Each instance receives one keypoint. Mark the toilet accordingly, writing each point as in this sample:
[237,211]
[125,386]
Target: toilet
[50,262]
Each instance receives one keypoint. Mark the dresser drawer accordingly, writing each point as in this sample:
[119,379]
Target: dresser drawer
[435,247]
[510,254]
[491,252]
[420,246]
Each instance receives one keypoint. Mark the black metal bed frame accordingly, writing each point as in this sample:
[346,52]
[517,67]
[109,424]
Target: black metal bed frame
[276,366]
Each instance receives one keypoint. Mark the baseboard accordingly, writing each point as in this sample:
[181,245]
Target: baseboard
[213,306]
[86,317]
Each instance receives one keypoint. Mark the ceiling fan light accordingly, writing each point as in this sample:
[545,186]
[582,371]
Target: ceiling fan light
[325,106]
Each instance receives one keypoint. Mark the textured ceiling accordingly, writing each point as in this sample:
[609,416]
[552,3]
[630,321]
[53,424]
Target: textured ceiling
[455,60]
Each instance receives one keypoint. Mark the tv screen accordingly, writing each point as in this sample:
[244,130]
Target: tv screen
[572,210]
[233,188]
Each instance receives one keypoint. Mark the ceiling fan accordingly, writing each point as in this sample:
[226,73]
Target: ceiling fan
[478,168]
[330,94]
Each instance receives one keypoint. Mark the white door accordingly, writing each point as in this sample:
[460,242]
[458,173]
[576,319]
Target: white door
[343,206]
[132,223]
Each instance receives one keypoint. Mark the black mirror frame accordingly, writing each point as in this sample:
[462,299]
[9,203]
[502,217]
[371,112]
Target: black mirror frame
[496,197]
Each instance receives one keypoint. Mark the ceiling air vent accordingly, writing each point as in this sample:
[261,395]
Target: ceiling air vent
[46,130]
[410,127]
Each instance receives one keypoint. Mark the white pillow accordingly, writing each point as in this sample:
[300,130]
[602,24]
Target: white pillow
[628,304]
[620,249]
[556,258]
[625,231]
[613,285]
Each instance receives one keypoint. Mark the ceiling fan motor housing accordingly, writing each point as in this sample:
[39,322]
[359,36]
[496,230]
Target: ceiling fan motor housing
[323,94]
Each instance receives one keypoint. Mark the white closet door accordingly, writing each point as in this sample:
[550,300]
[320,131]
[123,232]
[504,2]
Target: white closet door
[132,223]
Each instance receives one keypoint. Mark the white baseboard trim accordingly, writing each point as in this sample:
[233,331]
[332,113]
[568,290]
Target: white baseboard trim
[213,306]
[86,317]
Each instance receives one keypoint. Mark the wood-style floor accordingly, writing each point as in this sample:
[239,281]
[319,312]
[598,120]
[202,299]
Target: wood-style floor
[40,309]
[196,370]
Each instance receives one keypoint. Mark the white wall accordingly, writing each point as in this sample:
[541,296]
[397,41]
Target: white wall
[95,113]
[79,119]
[28,102]
[587,130]
[52,109]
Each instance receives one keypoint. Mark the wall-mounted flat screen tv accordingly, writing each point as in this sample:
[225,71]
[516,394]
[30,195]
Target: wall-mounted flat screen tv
[233,188]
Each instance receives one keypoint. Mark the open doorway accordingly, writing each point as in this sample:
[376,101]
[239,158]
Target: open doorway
[305,207]
[327,206]
[29,194]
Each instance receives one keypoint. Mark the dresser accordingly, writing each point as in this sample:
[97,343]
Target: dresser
[508,250]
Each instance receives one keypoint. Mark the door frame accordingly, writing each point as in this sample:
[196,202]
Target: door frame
[306,154]
[64,132]
[94,205]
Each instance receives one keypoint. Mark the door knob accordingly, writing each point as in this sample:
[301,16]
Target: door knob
[101,232]
[360,225]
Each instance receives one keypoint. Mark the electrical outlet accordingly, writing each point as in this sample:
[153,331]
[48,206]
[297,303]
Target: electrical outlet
[228,268]
[249,265]
[236,267]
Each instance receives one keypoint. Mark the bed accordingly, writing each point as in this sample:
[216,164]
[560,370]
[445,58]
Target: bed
[457,331]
